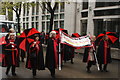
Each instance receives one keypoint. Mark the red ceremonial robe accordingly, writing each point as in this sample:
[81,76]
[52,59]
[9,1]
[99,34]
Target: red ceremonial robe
[52,54]
[103,52]
[35,57]
[11,54]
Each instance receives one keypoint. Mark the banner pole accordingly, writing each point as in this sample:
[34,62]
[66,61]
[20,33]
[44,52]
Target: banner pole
[94,54]
[59,51]
[96,59]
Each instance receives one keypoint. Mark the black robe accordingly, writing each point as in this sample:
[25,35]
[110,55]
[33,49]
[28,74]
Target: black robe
[35,60]
[11,56]
[103,54]
[22,53]
[6,37]
[68,52]
[51,54]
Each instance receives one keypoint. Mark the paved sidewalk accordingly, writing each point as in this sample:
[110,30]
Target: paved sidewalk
[76,70]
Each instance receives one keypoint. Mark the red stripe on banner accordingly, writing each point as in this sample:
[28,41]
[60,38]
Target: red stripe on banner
[73,38]
[76,47]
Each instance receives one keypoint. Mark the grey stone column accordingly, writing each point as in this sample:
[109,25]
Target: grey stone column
[90,25]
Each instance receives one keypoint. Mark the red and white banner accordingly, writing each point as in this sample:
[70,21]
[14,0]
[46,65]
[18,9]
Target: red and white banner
[83,41]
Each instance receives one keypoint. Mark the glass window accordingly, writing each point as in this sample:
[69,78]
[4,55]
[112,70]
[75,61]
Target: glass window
[27,25]
[98,26]
[47,11]
[84,14]
[23,19]
[43,26]
[55,24]
[33,9]
[32,24]
[37,18]
[56,16]
[27,9]
[84,27]
[48,26]
[85,4]
[105,4]
[43,17]
[61,16]
[23,26]
[43,10]
[24,9]
[37,25]
[62,6]
[37,8]
[108,12]
[32,18]
[62,24]
[48,17]
[27,19]
[56,10]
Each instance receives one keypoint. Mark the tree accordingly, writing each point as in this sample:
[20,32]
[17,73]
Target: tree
[16,7]
[48,7]
[3,11]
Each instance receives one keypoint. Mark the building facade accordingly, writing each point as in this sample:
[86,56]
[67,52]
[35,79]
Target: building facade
[96,17]
[84,17]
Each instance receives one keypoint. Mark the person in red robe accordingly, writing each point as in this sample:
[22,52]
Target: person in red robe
[89,56]
[52,54]
[8,35]
[35,59]
[103,53]
[11,55]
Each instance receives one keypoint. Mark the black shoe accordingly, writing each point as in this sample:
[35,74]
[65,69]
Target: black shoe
[101,70]
[14,74]
[53,76]
[88,70]
[72,62]
[106,71]
[34,74]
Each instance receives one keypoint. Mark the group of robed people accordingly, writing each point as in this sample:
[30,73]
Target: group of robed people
[35,56]
[100,55]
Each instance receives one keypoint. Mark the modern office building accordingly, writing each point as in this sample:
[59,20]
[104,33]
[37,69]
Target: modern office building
[84,17]
[96,17]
